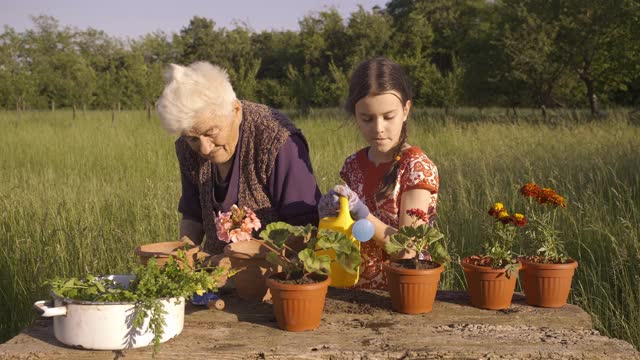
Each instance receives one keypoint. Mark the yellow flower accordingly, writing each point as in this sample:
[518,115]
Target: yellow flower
[504,217]
[199,292]
[496,209]
[519,219]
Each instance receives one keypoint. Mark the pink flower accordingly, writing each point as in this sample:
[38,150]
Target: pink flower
[239,235]
[237,224]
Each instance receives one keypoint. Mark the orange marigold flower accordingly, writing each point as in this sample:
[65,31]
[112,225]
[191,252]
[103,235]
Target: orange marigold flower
[418,214]
[558,200]
[545,196]
[530,190]
[519,219]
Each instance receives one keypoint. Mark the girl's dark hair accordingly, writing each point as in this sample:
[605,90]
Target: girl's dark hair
[374,77]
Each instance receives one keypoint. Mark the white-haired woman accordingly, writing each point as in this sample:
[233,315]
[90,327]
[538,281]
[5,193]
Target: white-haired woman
[233,152]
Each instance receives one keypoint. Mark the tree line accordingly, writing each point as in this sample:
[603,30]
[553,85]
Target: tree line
[481,53]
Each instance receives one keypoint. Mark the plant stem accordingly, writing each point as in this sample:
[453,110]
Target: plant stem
[275,251]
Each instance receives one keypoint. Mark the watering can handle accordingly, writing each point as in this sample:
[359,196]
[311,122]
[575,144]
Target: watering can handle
[344,214]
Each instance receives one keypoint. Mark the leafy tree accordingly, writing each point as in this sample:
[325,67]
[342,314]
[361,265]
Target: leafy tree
[412,50]
[17,85]
[199,41]
[369,34]
[529,44]
[600,43]
[241,61]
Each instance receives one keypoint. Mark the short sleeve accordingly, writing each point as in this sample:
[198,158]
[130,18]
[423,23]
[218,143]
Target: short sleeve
[419,172]
[351,174]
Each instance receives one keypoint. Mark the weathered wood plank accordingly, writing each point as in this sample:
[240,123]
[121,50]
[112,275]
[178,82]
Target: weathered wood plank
[359,325]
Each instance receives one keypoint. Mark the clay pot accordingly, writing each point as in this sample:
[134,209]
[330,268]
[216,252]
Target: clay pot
[298,307]
[162,251]
[489,288]
[547,285]
[249,259]
[412,291]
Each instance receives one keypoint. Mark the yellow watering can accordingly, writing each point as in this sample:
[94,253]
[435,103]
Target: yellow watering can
[342,223]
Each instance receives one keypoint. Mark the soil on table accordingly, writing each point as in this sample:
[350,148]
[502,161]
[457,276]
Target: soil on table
[355,301]
[411,264]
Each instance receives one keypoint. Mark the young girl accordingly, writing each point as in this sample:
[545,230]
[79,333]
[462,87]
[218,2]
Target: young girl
[389,176]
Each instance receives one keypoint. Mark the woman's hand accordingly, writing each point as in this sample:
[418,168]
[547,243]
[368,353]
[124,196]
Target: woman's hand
[329,204]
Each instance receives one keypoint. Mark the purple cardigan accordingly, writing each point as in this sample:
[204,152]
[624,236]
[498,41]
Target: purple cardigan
[292,187]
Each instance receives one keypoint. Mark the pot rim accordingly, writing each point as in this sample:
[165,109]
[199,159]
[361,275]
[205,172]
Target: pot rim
[69,301]
[570,264]
[271,283]
[162,254]
[467,266]
[417,272]
[261,254]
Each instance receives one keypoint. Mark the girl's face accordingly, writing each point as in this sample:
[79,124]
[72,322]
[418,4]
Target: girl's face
[380,119]
[215,137]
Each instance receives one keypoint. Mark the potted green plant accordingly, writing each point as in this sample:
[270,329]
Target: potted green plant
[126,311]
[547,275]
[299,291]
[491,276]
[413,283]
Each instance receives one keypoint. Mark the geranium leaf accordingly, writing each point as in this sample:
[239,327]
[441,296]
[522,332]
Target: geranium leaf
[350,261]
[439,254]
[397,242]
[277,233]
[313,263]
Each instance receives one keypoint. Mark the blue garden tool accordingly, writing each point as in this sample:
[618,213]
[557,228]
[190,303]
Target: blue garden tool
[208,299]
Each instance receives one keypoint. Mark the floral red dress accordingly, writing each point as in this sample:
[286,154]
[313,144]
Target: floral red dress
[415,171]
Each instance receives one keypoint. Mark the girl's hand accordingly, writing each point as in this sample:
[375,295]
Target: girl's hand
[329,204]
[404,254]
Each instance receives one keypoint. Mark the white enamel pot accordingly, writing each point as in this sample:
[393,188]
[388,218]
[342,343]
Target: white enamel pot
[107,326]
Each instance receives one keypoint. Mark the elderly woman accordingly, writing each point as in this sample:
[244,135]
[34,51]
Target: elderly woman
[233,152]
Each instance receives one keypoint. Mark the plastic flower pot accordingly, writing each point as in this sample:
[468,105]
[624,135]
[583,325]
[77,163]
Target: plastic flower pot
[489,288]
[164,250]
[412,291]
[547,285]
[249,259]
[298,307]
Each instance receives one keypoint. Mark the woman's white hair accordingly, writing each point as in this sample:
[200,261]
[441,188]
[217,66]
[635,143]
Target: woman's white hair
[191,90]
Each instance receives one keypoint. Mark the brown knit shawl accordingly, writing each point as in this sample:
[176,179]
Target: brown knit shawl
[264,131]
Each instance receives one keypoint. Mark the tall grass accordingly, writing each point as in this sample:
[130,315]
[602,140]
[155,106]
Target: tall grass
[78,197]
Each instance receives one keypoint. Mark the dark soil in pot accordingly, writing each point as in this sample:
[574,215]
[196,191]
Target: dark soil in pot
[411,264]
[298,279]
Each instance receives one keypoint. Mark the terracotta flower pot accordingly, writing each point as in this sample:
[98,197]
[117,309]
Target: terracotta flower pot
[248,257]
[298,307]
[412,291]
[163,250]
[489,288]
[547,285]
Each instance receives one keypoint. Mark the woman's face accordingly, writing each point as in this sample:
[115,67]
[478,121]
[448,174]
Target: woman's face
[380,119]
[215,137]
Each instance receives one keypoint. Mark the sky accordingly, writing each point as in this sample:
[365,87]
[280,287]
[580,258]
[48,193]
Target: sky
[133,18]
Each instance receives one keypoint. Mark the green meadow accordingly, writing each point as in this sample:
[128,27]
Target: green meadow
[78,196]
